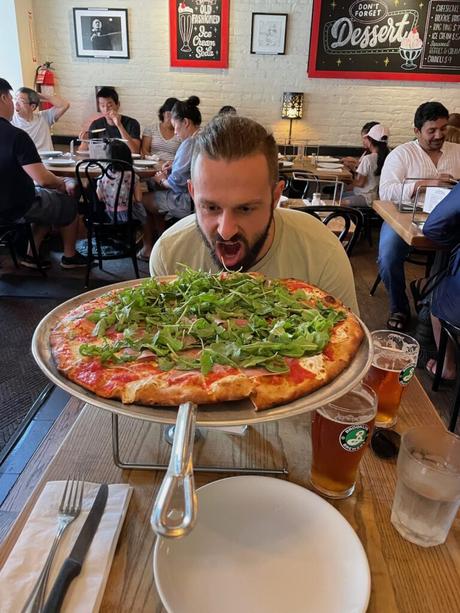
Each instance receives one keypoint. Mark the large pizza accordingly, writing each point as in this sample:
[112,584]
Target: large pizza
[207,338]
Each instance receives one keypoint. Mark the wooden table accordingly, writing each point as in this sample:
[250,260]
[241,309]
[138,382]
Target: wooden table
[405,577]
[305,165]
[402,224]
[69,171]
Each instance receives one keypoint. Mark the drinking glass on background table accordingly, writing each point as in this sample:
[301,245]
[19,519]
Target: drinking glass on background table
[340,433]
[427,493]
[395,359]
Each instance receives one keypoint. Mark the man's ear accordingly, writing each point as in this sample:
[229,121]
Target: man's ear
[416,132]
[277,192]
[191,191]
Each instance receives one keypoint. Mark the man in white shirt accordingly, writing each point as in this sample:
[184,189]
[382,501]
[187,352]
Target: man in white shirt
[431,157]
[37,124]
[235,188]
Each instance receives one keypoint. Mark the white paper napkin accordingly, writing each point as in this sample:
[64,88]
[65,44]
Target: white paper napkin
[28,556]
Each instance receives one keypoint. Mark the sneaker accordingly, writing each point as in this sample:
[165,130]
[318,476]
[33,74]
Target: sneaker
[30,262]
[76,261]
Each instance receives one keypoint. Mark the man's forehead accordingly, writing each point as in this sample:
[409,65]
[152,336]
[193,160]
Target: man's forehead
[107,100]
[435,123]
[255,160]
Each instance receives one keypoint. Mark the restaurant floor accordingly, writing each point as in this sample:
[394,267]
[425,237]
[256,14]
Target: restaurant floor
[25,297]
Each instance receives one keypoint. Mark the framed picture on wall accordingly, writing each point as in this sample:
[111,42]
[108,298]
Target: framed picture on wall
[198,33]
[101,32]
[268,33]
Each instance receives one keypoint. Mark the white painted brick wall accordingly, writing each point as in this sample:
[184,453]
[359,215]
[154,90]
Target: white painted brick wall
[335,108]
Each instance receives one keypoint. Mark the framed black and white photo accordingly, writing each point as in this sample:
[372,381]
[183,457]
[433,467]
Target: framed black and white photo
[268,33]
[101,32]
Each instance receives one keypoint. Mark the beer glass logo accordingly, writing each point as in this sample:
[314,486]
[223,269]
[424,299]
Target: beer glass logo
[354,437]
[406,375]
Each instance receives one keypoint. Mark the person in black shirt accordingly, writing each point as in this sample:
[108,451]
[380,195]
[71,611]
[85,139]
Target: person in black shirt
[52,202]
[112,123]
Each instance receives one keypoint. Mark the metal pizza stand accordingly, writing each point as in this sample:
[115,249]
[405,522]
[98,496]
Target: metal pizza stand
[179,475]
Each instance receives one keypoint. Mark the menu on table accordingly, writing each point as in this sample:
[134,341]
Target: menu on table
[199,33]
[415,40]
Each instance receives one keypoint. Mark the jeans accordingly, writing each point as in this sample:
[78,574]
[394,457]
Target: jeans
[392,254]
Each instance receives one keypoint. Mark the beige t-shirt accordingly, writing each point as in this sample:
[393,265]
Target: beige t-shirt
[303,248]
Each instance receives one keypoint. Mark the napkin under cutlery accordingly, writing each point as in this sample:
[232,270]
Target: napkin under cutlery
[26,560]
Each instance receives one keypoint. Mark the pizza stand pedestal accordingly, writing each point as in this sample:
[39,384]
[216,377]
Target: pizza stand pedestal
[179,476]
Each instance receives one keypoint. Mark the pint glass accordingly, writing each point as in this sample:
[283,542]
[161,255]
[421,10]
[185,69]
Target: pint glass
[395,359]
[340,433]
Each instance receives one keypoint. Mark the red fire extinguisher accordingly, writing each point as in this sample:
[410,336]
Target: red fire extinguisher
[44,82]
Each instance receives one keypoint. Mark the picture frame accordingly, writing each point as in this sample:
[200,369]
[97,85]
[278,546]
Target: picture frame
[268,33]
[101,32]
[199,33]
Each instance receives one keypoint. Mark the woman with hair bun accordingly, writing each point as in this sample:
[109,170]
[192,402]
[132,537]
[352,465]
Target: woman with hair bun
[159,138]
[169,198]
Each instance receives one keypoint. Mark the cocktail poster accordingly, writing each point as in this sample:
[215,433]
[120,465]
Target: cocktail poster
[199,33]
[415,40]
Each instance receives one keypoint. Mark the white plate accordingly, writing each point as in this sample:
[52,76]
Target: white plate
[327,158]
[60,162]
[144,163]
[330,166]
[135,156]
[263,545]
[50,154]
[286,164]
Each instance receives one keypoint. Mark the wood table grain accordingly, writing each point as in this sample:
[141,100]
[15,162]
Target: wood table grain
[405,578]
[402,224]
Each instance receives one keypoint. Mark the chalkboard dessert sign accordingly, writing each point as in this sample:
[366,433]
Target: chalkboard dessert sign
[199,33]
[385,39]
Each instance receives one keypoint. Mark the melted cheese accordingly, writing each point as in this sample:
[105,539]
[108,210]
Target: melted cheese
[314,364]
[340,334]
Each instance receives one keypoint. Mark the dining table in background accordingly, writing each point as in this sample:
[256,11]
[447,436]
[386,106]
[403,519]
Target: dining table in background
[401,222]
[306,164]
[70,169]
[405,578]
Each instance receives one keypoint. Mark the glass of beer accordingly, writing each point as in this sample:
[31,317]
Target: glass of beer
[395,359]
[340,433]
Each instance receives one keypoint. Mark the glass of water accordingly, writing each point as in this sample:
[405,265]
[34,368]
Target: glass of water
[427,493]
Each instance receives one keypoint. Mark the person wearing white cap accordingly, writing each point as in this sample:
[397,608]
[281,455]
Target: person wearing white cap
[366,181]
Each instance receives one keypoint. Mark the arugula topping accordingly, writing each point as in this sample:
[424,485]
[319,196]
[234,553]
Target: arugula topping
[202,319]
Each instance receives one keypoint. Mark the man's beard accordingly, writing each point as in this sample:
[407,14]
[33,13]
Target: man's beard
[252,253]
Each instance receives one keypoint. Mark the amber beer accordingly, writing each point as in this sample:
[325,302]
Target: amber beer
[395,359]
[340,434]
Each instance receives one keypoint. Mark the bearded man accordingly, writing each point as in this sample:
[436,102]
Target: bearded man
[235,187]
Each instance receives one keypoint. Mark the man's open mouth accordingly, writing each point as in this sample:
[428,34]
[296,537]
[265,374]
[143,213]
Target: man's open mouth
[229,252]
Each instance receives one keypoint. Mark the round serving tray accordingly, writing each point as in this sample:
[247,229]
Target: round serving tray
[214,415]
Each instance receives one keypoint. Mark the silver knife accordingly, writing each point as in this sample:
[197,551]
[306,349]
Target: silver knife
[73,563]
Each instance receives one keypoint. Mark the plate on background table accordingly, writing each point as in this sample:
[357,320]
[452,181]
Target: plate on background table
[136,156]
[286,164]
[327,158]
[60,162]
[50,154]
[330,166]
[144,163]
[263,545]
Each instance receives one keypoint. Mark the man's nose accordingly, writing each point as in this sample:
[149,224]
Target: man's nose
[227,227]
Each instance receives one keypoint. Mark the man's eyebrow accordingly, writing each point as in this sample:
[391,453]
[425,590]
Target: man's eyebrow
[246,203]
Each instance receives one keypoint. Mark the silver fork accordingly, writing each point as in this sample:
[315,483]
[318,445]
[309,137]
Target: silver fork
[69,509]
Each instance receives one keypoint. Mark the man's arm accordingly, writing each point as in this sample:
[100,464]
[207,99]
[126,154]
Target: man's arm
[60,105]
[395,170]
[133,143]
[44,178]
[443,224]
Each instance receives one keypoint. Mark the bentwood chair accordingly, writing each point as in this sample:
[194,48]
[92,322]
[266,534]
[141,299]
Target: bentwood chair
[11,232]
[348,222]
[113,238]
[452,333]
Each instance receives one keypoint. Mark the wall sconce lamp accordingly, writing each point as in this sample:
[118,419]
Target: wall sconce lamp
[292,108]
